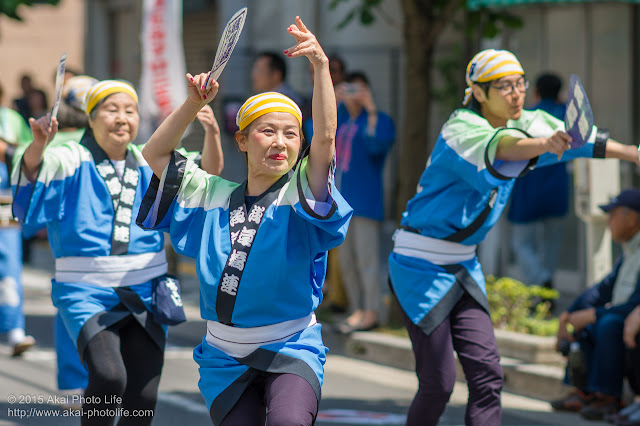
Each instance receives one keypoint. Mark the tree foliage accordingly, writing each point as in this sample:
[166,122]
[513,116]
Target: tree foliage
[10,7]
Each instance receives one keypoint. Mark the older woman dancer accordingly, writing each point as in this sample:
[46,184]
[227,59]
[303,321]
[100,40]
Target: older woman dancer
[87,192]
[261,247]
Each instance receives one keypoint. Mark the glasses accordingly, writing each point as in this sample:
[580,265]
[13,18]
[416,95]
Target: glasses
[506,89]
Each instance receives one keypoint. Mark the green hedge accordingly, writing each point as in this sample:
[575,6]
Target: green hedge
[522,308]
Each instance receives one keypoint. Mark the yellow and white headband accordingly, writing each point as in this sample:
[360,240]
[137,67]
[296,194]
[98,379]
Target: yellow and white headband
[490,65]
[105,88]
[264,103]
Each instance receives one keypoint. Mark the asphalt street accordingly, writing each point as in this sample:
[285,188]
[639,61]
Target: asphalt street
[354,391]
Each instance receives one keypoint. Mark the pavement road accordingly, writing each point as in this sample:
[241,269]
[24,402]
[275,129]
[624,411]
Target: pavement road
[354,391]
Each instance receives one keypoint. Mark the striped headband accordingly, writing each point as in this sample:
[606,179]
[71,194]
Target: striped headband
[105,88]
[264,103]
[75,90]
[490,65]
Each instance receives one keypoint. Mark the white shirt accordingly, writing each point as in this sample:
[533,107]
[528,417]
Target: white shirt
[629,270]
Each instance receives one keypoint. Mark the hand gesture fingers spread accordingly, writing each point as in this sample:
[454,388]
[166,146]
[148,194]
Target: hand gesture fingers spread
[306,43]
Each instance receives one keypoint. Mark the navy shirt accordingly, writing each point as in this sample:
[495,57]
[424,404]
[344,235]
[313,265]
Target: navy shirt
[542,193]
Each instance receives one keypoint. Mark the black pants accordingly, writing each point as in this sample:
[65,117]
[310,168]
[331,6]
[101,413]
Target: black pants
[275,399]
[469,332]
[632,366]
[124,366]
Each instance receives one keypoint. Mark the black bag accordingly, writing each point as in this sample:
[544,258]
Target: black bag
[166,302]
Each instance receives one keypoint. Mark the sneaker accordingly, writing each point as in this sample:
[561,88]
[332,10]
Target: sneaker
[623,415]
[574,402]
[600,407]
[22,346]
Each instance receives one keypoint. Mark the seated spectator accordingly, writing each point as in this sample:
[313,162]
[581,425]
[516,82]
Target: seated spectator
[598,316]
[630,415]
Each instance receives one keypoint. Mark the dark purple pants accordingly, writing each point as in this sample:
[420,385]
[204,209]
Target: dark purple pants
[468,331]
[275,399]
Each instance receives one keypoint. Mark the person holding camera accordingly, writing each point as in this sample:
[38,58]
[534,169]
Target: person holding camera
[363,140]
[598,317]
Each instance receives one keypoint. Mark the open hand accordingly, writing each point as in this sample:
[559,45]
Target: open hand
[306,44]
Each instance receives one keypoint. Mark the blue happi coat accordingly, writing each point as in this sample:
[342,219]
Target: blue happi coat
[281,279]
[457,184]
[85,223]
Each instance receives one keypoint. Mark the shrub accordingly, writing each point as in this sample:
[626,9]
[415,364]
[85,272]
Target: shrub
[518,307]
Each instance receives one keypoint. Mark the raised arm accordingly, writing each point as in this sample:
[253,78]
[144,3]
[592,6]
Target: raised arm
[164,140]
[43,132]
[212,157]
[325,114]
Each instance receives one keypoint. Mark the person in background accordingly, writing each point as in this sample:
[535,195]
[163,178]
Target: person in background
[21,104]
[335,296]
[598,316]
[630,415]
[72,375]
[37,101]
[14,133]
[269,74]
[363,140]
[338,70]
[212,141]
[540,202]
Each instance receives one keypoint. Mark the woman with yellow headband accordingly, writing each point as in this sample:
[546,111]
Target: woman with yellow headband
[111,285]
[434,270]
[261,246]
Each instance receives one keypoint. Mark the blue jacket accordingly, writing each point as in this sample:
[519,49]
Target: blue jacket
[360,161]
[542,193]
[600,294]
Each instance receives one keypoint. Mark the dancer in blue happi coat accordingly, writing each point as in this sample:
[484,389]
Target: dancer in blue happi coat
[434,270]
[87,193]
[14,133]
[260,247]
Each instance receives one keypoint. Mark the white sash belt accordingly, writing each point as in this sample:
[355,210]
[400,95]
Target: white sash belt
[112,271]
[240,342]
[439,252]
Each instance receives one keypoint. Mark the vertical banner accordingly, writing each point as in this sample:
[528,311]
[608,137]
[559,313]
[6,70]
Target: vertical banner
[162,81]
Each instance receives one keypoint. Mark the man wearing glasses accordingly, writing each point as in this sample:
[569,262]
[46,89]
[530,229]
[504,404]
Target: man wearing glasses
[434,270]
